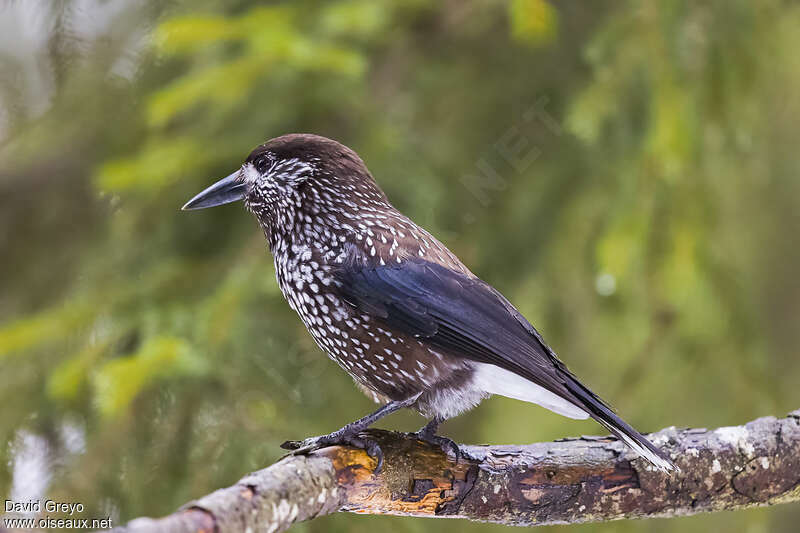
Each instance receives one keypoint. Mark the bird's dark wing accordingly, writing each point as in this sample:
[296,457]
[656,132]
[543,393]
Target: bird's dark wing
[461,315]
[465,317]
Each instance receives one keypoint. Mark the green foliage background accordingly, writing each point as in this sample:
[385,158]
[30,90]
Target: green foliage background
[641,206]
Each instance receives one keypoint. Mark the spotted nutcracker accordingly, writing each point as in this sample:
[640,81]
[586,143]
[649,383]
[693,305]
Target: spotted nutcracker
[391,304]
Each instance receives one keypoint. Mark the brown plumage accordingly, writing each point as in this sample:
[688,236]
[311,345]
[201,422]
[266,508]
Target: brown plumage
[390,303]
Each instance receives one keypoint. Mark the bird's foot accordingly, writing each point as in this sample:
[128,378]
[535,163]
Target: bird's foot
[446,445]
[301,447]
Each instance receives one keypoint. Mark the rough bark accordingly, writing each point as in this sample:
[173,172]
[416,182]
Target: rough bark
[574,480]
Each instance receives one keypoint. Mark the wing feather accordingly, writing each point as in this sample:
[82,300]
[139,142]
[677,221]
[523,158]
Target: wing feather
[452,311]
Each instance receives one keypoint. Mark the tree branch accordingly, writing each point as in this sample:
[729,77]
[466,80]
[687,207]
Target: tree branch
[575,480]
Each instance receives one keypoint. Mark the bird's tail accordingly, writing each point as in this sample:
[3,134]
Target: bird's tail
[603,414]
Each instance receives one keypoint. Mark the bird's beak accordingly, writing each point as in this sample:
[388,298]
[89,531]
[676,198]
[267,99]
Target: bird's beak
[225,191]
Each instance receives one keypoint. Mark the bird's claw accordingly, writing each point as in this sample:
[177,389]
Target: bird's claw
[301,447]
[443,443]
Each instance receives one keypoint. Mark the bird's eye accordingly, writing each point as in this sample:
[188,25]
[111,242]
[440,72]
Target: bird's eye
[262,163]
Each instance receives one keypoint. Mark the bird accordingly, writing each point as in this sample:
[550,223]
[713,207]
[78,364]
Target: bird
[391,304]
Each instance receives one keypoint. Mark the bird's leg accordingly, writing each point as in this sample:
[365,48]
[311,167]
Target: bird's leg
[428,434]
[348,435]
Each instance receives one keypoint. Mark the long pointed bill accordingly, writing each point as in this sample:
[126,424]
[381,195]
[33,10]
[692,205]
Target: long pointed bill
[225,191]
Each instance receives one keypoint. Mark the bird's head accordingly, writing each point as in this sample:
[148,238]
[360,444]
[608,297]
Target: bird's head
[296,177]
